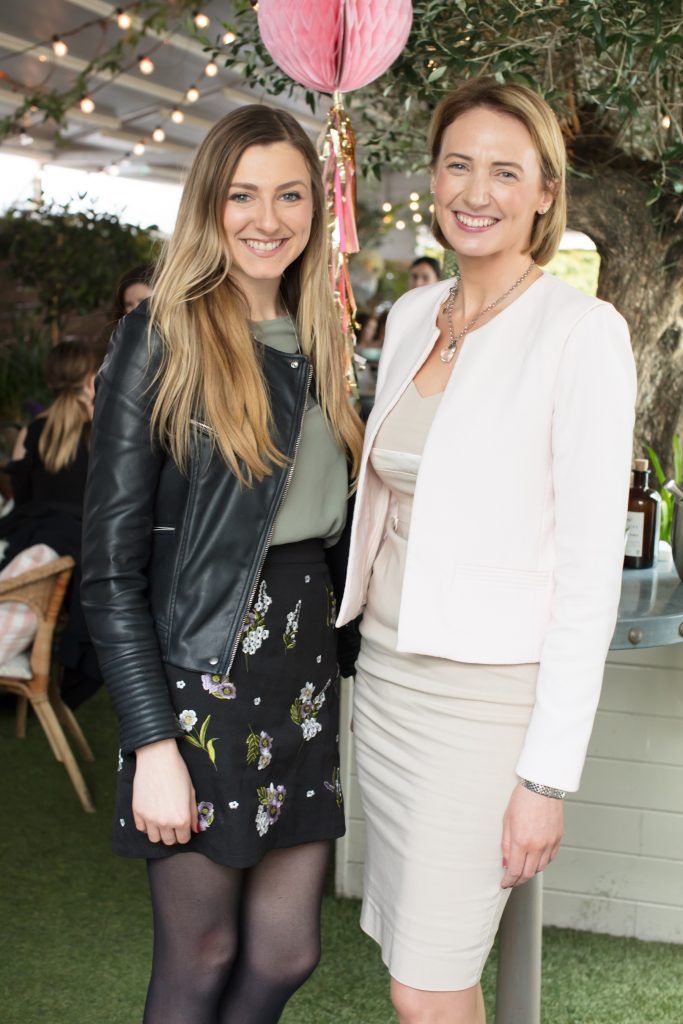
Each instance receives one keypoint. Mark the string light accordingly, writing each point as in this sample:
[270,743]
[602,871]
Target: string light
[414,196]
[159,134]
[400,224]
[417,217]
[87,104]
[431,207]
[229,37]
[59,46]
[113,169]
[192,94]
[123,19]
[24,138]
[177,116]
[146,65]
[666,121]
[139,148]
[386,207]
[414,205]
[200,19]
[387,218]
[211,69]
[42,58]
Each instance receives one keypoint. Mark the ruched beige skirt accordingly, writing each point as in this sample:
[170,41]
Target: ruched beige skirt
[436,742]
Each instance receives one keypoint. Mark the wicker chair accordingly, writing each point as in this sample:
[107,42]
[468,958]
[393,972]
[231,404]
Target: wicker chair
[43,590]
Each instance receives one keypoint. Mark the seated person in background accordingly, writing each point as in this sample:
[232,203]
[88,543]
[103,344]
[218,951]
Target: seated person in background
[134,286]
[48,473]
[424,270]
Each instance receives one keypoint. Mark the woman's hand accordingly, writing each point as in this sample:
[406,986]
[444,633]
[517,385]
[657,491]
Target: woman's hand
[164,801]
[533,826]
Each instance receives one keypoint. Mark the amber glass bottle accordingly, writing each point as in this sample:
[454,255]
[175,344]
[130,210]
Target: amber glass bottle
[643,518]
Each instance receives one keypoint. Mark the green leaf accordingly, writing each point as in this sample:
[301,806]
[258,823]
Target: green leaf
[193,741]
[295,712]
[252,748]
[202,731]
[210,749]
[657,466]
[262,794]
[437,73]
[678,459]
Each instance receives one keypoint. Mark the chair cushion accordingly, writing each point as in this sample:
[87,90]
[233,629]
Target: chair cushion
[17,667]
[18,623]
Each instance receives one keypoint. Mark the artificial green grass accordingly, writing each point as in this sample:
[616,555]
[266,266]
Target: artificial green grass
[76,934]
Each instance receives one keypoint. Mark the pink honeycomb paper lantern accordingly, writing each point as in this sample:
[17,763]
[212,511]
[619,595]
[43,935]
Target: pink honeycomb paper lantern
[334,45]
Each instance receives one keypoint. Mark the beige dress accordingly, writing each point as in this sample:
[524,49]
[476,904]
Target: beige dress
[437,742]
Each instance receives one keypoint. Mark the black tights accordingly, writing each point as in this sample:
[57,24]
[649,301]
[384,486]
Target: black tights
[231,946]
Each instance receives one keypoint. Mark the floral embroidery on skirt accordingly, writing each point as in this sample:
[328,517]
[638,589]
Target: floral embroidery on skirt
[275,715]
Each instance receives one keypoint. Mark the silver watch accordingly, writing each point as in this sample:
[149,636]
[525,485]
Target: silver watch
[536,787]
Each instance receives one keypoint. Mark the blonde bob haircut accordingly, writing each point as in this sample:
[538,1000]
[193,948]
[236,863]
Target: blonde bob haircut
[210,368]
[535,114]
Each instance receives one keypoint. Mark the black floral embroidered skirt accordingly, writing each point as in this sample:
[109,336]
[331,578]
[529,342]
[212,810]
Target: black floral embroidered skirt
[261,745]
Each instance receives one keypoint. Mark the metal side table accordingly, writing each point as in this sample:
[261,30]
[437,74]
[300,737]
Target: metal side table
[650,615]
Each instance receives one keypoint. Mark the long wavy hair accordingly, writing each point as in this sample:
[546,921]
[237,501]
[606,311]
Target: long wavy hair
[67,368]
[210,368]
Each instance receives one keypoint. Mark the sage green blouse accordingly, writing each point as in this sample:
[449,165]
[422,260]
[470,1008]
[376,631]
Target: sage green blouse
[315,504]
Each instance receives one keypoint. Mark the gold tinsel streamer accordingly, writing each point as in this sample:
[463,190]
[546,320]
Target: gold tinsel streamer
[338,154]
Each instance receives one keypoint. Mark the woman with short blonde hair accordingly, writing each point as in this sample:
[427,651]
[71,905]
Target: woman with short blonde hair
[487,613]
[223,451]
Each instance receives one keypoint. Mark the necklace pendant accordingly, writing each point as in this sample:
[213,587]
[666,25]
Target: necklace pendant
[446,354]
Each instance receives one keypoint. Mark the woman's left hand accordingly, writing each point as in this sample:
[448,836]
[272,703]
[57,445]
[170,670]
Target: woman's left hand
[533,827]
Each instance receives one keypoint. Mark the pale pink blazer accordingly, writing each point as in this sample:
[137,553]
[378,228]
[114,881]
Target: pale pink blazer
[517,535]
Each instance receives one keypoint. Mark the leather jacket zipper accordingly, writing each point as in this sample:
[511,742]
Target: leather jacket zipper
[290,474]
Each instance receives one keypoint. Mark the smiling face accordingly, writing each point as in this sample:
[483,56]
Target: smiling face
[268,213]
[488,186]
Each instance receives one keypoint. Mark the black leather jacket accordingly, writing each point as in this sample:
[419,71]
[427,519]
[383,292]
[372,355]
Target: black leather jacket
[171,560]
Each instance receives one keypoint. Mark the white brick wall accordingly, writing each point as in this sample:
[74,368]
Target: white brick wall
[620,869]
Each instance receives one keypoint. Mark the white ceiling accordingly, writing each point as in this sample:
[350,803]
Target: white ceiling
[130,107]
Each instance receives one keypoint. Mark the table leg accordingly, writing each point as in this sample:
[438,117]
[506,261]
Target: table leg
[518,992]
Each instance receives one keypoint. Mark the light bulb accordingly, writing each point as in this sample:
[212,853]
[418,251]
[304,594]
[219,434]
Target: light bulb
[113,169]
[666,121]
[159,134]
[387,218]
[229,37]
[123,19]
[59,46]
[177,116]
[146,65]
[139,148]
[24,138]
[431,207]
[414,206]
[211,69]
[200,19]
[42,58]
[414,196]
[400,224]
[87,105]
[386,207]
[417,217]
[192,94]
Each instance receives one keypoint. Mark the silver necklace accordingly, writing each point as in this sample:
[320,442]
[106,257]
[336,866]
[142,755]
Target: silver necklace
[447,354]
[296,333]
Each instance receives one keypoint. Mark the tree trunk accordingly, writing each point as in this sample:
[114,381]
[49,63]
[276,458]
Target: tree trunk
[641,275]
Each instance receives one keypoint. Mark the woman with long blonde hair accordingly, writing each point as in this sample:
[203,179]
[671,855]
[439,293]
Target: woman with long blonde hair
[223,451]
[54,447]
